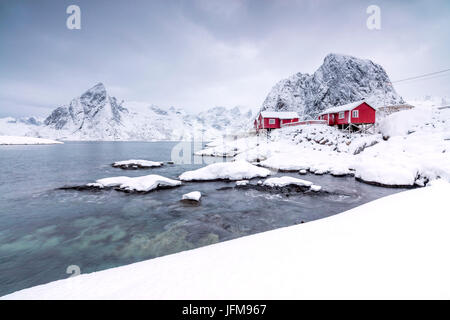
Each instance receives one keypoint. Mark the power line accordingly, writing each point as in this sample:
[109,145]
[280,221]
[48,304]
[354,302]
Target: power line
[422,76]
[427,78]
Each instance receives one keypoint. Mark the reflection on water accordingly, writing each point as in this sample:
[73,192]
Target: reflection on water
[44,230]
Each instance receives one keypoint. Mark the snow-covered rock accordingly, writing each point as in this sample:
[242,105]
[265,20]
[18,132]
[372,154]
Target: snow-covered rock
[382,172]
[13,140]
[139,184]
[241,183]
[193,196]
[137,164]
[286,181]
[236,170]
[341,79]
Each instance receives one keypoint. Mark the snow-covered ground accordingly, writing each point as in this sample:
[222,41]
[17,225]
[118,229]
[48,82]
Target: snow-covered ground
[393,247]
[411,148]
[13,140]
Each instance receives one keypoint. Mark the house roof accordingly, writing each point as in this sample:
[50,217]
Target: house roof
[344,107]
[279,115]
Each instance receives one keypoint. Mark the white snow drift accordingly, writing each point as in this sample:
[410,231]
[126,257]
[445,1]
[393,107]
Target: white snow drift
[236,170]
[141,184]
[384,249]
[14,140]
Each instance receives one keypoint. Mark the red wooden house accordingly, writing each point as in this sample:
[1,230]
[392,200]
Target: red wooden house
[355,115]
[273,120]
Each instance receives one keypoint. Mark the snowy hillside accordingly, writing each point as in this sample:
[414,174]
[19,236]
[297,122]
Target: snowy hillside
[95,115]
[412,148]
[341,79]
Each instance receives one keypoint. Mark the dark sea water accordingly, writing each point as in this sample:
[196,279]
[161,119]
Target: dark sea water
[44,230]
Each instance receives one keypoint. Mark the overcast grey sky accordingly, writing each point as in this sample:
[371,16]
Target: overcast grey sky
[198,54]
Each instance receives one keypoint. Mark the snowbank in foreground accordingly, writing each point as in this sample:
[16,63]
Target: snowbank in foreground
[140,184]
[393,247]
[237,170]
[13,140]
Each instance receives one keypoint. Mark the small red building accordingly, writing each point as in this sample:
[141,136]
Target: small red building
[350,115]
[274,120]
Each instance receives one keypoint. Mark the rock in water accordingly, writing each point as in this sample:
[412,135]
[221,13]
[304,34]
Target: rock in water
[136,164]
[192,196]
[341,79]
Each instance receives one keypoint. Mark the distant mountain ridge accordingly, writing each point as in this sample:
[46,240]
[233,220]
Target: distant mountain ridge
[97,116]
[341,79]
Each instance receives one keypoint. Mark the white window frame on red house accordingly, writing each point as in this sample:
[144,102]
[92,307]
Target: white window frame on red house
[355,113]
[342,115]
[271,121]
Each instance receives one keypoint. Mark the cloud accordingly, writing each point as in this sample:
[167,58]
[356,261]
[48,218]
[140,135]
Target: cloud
[203,53]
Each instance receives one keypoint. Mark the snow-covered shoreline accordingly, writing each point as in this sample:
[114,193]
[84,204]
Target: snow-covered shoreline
[393,247]
[15,140]
[412,148]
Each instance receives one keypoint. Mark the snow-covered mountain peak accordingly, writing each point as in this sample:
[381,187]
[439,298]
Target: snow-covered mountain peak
[95,96]
[341,79]
[340,58]
[95,115]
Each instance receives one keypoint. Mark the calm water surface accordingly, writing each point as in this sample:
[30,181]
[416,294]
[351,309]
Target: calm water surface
[44,230]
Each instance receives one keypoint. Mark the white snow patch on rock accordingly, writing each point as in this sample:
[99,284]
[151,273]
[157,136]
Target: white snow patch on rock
[374,170]
[194,195]
[237,170]
[286,181]
[141,184]
[140,163]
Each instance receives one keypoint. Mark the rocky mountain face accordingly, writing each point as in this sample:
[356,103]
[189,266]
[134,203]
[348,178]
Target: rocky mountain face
[95,115]
[341,79]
